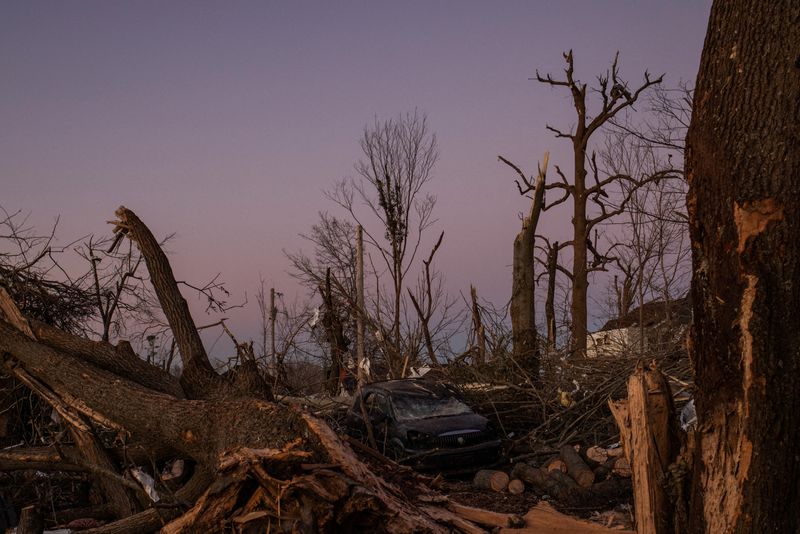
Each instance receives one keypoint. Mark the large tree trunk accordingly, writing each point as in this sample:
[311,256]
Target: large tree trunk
[549,305]
[743,167]
[580,271]
[523,309]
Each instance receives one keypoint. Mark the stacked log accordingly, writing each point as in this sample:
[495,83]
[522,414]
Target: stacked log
[570,480]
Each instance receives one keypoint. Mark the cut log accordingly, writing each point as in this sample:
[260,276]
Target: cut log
[576,467]
[490,480]
[622,467]
[597,454]
[616,452]
[567,492]
[556,464]
[516,486]
[604,470]
[532,475]
[606,494]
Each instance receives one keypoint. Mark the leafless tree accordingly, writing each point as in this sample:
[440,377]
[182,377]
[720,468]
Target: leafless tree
[652,250]
[591,202]
[438,319]
[399,156]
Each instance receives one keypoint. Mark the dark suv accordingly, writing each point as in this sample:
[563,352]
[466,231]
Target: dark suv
[423,424]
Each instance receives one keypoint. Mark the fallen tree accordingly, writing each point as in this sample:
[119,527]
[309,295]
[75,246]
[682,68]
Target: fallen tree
[307,478]
[251,464]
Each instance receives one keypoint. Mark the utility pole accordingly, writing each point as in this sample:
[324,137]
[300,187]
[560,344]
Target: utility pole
[151,355]
[362,376]
[272,314]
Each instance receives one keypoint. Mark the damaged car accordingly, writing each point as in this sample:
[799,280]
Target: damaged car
[422,424]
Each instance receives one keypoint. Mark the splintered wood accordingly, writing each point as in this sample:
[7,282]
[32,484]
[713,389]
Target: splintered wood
[644,421]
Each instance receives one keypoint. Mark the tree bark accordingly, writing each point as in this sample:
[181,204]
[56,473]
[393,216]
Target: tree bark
[492,480]
[743,167]
[198,377]
[576,467]
[523,309]
[477,328]
[549,305]
[335,332]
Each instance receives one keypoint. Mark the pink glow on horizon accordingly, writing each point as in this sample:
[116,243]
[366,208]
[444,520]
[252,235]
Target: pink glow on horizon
[225,122]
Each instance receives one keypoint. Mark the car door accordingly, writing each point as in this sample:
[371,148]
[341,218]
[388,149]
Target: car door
[380,416]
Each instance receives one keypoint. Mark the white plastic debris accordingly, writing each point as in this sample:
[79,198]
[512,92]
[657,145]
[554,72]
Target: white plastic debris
[147,482]
[688,416]
[365,366]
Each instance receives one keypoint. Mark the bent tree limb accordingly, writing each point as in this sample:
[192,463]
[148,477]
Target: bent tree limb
[198,374]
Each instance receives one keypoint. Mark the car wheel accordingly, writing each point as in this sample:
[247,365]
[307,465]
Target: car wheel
[395,450]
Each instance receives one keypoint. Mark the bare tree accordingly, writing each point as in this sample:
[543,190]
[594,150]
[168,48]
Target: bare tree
[399,156]
[652,253]
[425,311]
[591,203]
[552,269]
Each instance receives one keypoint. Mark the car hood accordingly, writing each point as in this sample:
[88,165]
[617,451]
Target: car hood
[436,426]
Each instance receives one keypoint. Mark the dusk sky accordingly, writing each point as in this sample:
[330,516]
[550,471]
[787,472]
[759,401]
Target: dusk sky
[224,121]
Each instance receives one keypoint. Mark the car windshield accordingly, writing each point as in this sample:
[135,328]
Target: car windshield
[410,407]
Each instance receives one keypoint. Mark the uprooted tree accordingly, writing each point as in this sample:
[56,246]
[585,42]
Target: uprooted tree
[285,464]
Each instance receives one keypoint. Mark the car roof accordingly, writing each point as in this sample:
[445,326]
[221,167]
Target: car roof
[411,386]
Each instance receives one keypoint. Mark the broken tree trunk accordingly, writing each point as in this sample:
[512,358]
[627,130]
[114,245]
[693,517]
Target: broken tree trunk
[335,333]
[477,328]
[198,377]
[549,305]
[523,312]
[646,422]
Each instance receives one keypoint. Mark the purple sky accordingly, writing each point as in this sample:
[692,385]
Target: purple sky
[223,122]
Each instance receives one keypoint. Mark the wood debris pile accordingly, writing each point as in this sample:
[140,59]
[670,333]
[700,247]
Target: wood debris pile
[248,462]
